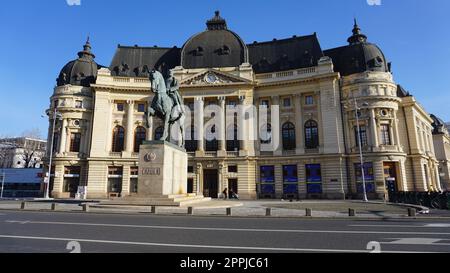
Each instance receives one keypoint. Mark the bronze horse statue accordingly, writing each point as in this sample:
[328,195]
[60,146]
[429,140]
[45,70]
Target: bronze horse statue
[164,107]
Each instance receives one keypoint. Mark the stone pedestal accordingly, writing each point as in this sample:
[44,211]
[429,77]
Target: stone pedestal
[162,169]
[162,179]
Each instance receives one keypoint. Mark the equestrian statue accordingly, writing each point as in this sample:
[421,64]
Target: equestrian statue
[167,104]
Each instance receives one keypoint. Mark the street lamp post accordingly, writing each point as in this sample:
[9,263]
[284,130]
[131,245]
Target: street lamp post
[47,181]
[360,152]
[3,184]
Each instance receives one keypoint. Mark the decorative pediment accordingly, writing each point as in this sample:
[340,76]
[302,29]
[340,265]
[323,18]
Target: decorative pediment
[213,77]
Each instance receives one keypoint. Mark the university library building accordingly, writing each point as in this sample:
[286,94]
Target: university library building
[322,105]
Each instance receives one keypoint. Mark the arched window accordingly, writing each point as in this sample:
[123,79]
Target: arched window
[266,134]
[159,133]
[311,135]
[288,132]
[232,138]
[212,144]
[191,142]
[118,139]
[140,135]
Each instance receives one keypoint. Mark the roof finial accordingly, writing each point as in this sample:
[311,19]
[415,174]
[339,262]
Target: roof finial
[217,22]
[357,36]
[86,49]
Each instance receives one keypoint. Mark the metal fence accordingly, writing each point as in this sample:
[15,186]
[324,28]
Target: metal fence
[434,200]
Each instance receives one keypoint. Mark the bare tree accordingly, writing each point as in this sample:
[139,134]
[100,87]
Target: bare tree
[25,149]
[32,150]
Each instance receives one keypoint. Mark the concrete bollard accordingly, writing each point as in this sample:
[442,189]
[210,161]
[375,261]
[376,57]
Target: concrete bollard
[412,212]
[86,207]
[153,209]
[53,206]
[228,211]
[190,210]
[351,212]
[23,205]
[268,211]
[308,212]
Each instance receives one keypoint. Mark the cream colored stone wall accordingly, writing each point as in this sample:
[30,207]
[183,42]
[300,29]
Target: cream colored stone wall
[410,128]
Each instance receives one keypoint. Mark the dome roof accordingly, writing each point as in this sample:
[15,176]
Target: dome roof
[359,56]
[82,71]
[215,47]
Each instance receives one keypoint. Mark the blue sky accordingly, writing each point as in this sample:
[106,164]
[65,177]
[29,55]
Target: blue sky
[40,37]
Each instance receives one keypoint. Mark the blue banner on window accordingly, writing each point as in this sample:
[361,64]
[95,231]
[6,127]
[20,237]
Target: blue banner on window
[368,171]
[290,173]
[314,188]
[267,188]
[313,173]
[370,187]
[267,174]
[290,188]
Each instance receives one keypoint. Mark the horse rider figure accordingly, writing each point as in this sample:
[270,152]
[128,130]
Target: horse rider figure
[173,87]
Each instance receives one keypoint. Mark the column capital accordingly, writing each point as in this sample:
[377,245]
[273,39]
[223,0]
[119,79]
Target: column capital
[202,99]
[241,98]
[130,102]
[222,98]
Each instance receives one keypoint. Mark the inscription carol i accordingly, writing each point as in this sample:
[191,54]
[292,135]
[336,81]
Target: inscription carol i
[151,171]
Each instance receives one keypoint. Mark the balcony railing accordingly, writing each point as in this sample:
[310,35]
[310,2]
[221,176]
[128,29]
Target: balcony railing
[115,154]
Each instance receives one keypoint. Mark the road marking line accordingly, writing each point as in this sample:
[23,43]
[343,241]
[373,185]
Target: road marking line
[231,229]
[437,225]
[416,241]
[405,226]
[196,246]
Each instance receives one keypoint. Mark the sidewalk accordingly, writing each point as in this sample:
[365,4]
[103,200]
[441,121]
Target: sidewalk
[320,208]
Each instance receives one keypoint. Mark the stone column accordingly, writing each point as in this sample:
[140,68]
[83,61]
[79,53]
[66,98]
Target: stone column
[396,132]
[299,140]
[150,129]
[62,143]
[199,174]
[279,149]
[223,128]
[373,129]
[199,120]
[130,131]
[221,177]
[242,127]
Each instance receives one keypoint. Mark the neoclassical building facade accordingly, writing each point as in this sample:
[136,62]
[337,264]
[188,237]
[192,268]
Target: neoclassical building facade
[314,99]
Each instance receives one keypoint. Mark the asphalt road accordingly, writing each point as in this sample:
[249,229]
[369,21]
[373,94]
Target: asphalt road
[47,232]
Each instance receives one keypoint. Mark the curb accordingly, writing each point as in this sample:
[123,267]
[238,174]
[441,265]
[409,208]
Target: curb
[300,217]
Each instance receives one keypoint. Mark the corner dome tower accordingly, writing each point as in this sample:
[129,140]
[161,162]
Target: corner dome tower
[82,71]
[215,47]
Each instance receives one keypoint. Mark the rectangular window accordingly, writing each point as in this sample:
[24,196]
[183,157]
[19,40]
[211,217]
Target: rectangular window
[290,179]
[385,134]
[309,100]
[362,135]
[232,169]
[141,107]
[265,103]
[267,179]
[134,171]
[75,140]
[286,102]
[368,176]
[120,107]
[313,178]
[115,179]
[78,104]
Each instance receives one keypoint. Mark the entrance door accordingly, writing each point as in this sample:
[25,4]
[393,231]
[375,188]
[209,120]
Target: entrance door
[210,183]
[390,177]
